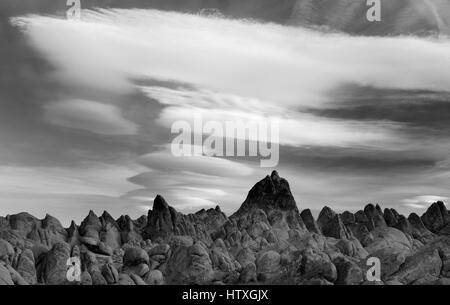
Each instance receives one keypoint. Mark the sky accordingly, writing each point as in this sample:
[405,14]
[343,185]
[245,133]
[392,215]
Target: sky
[86,109]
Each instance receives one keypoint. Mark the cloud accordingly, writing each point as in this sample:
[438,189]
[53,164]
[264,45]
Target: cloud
[68,193]
[422,202]
[295,128]
[265,61]
[89,115]
[235,69]
[67,207]
[194,182]
[257,68]
[164,160]
[94,178]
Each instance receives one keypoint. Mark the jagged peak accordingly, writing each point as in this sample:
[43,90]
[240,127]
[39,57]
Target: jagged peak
[159,203]
[274,176]
[272,192]
[327,212]
[90,220]
[106,215]
[50,221]
[91,214]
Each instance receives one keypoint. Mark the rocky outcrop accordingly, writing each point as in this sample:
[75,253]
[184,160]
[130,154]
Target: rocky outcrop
[331,224]
[348,271]
[26,266]
[190,265]
[309,221]
[426,263]
[267,241]
[268,194]
[436,218]
[163,221]
[53,267]
[419,231]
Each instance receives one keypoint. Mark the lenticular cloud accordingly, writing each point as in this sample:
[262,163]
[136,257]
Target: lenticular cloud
[266,61]
[261,66]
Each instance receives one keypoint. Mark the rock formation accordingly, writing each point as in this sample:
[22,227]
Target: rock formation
[268,240]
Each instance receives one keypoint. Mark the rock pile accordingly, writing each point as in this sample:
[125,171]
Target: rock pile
[268,240]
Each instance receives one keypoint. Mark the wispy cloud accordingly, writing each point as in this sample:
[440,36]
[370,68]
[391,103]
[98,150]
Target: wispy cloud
[265,61]
[92,116]
[237,69]
[422,202]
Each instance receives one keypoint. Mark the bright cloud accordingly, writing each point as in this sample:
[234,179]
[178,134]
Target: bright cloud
[233,69]
[295,128]
[89,115]
[265,61]
[422,202]
[253,68]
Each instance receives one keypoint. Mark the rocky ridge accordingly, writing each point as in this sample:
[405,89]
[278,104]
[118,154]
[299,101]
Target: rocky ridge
[267,241]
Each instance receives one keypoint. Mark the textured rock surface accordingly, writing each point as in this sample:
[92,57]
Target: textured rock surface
[267,241]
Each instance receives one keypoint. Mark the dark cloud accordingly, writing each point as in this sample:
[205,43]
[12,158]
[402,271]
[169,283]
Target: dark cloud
[341,172]
[350,160]
[427,110]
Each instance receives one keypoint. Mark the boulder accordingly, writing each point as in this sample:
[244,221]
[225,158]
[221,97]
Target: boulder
[190,265]
[110,273]
[404,225]
[110,234]
[390,217]
[375,217]
[419,231]
[129,232]
[96,276]
[348,272]
[90,227]
[134,256]
[248,274]
[154,277]
[360,231]
[331,224]
[245,257]
[309,221]
[5,276]
[222,260]
[268,263]
[352,248]
[388,238]
[86,279]
[391,260]
[26,267]
[54,265]
[23,222]
[436,217]
[49,232]
[419,265]
[348,218]
[316,264]
[125,279]
[6,251]
[16,277]
[137,280]
[140,269]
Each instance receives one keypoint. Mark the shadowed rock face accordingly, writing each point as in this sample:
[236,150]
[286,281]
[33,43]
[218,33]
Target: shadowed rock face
[269,194]
[266,241]
[436,218]
[161,220]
